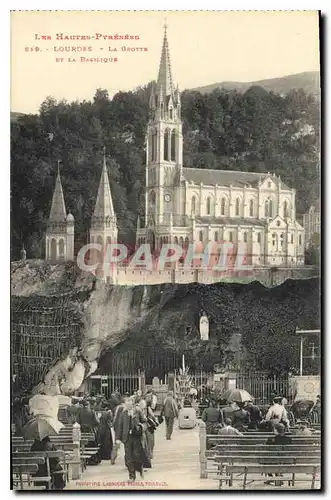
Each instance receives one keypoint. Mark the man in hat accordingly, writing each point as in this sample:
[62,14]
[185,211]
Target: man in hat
[117,426]
[170,412]
[277,413]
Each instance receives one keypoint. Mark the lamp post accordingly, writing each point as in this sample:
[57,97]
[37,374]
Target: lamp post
[302,333]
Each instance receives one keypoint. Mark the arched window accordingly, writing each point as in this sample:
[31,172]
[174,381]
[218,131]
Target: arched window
[223,206]
[282,240]
[176,240]
[181,241]
[193,208]
[245,237]
[292,240]
[53,249]
[266,208]
[259,237]
[274,240]
[152,199]
[300,239]
[208,206]
[286,211]
[162,110]
[201,236]
[166,145]
[271,211]
[237,206]
[187,242]
[170,113]
[231,236]
[173,145]
[251,208]
[154,145]
[216,236]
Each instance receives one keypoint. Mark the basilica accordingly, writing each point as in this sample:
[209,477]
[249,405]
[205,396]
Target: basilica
[190,205]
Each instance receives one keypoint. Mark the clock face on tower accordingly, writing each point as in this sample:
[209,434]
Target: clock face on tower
[167,198]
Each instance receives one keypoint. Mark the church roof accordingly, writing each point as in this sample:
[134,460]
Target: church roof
[165,77]
[231,221]
[234,178]
[58,209]
[104,204]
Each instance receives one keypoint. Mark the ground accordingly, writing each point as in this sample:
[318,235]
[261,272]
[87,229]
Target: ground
[175,467]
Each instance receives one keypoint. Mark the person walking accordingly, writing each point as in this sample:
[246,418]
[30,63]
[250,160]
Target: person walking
[105,438]
[132,425]
[170,412]
[117,427]
[152,424]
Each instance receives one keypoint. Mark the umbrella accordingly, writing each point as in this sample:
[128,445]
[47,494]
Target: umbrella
[41,426]
[237,395]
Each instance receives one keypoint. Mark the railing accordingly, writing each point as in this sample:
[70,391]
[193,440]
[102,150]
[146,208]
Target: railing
[262,388]
[122,382]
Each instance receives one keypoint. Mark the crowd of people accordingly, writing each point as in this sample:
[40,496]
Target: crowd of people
[235,418]
[127,420]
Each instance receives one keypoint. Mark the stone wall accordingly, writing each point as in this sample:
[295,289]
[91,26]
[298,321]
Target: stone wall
[268,276]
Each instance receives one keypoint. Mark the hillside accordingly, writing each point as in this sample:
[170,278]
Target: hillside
[309,81]
[122,327]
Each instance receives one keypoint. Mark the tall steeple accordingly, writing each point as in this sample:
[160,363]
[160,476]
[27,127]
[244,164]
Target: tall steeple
[104,224]
[164,81]
[60,232]
[58,209]
[104,205]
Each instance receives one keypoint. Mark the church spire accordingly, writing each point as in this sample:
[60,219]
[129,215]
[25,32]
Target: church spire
[58,209]
[104,205]
[165,76]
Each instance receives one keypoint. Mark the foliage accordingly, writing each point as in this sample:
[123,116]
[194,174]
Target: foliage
[313,251]
[254,131]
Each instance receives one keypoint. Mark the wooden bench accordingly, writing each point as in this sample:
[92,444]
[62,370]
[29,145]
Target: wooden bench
[30,456]
[23,479]
[238,445]
[289,473]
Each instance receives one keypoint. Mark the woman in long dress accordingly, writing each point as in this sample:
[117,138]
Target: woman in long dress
[105,438]
[152,424]
[146,440]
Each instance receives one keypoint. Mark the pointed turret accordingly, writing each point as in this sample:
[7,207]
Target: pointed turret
[104,205]
[165,75]
[58,209]
[60,229]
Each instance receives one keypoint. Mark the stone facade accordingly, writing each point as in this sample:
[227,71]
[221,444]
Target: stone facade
[312,223]
[188,205]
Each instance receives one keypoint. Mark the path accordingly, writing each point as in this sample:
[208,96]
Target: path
[175,467]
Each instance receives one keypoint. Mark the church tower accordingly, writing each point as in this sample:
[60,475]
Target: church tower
[104,223]
[60,232]
[164,150]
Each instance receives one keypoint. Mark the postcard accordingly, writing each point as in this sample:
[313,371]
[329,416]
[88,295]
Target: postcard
[165,250]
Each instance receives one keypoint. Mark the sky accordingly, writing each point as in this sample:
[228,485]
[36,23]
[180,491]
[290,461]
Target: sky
[205,47]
